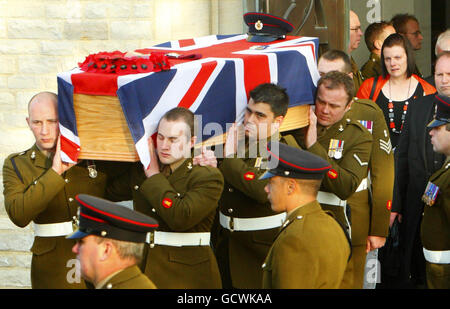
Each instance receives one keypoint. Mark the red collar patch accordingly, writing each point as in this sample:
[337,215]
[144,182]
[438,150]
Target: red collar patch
[167,202]
[249,176]
[332,174]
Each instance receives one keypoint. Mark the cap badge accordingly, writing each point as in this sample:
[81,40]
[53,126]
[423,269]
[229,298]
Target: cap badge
[259,25]
[286,173]
[430,194]
[167,202]
[249,176]
[103,233]
[33,155]
[92,171]
[335,149]
[332,174]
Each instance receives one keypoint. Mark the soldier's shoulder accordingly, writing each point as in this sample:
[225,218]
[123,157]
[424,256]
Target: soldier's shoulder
[205,171]
[20,155]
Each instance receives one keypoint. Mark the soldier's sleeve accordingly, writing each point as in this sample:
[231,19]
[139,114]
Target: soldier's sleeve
[25,200]
[118,184]
[347,173]
[245,178]
[183,211]
[382,178]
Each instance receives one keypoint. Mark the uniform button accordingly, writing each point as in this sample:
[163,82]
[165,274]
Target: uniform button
[153,209]
[136,187]
[35,182]
[152,245]
[70,199]
[230,190]
[230,210]
[109,286]
[66,180]
[264,265]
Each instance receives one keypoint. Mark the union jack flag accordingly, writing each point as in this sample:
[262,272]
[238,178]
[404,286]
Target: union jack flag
[215,86]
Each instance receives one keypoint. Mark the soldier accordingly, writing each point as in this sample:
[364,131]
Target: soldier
[346,144]
[183,198]
[246,226]
[355,39]
[370,223]
[40,188]
[311,250]
[435,228]
[374,37]
[110,242]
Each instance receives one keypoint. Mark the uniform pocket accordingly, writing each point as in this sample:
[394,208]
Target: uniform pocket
[188,255]
[264,237]
[43,245]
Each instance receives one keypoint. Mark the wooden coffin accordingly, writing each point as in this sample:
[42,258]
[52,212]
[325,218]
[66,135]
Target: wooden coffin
[104,133]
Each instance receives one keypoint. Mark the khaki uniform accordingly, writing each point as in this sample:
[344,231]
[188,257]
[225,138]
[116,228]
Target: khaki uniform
[129,278]
[42,196]
[370,217]
[372,68]
[435,230]
[240,254]
[357,76]
[183,202]
[310,252]
[345,178]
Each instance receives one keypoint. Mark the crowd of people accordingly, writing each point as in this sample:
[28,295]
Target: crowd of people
[374,157]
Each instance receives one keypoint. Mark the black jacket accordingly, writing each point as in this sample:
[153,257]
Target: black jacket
[415,162]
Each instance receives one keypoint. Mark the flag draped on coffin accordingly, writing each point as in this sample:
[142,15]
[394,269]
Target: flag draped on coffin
[216,86]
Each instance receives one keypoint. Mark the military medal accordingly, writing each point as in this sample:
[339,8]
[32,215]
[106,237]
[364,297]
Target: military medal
[368,124]
[430,194]
[335,149]
[92,170]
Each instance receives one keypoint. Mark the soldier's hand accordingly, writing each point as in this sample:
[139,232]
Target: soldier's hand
[231,141]
[58,165]
[206,158]
[153,167]
[375,242]
[311,132]
[393,216]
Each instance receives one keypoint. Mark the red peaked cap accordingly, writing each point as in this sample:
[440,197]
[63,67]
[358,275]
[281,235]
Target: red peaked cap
[104,218]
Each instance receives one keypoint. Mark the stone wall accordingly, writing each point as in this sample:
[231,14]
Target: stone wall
[40,38]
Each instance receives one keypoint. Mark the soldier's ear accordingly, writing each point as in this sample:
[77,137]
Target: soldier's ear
[378,44]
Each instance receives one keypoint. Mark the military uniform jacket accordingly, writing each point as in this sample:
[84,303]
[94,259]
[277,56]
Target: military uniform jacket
[351,168]
[357,76]
[129,278]
[372,68]
[183,202]
[373,220]
[244,197]
[310,252]
[435,229]
[40,195]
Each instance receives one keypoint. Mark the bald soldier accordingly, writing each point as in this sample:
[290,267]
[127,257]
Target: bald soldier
[110,243]
[311,249]
[40,188]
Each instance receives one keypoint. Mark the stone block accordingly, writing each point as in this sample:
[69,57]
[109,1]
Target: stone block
[33,29]
[15,241]
[95,10]
[36,64]
[7,65]
[131,30]
[56,48]
[15,277]
[86,30]
[23,82]
[21,47]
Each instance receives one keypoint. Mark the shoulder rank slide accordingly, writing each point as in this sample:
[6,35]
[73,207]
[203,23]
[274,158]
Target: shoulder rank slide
[335,148]
[430,194]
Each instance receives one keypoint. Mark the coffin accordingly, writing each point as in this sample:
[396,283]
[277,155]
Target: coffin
[107,116]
